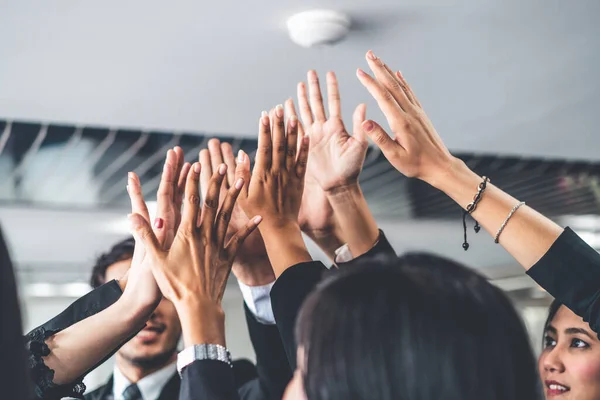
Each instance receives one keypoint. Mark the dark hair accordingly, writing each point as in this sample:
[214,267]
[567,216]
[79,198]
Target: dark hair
[421,328]
[14,376]
[119,252]
[552,310]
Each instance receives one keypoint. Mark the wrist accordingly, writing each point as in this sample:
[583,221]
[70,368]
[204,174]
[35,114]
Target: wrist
[202,321]
[133,311]
[254,272]
[345,189]
[458,182]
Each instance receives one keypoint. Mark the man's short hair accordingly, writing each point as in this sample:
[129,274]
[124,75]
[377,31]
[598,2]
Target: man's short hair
[119,252]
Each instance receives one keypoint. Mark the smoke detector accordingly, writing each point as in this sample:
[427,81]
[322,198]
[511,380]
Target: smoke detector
[318,27]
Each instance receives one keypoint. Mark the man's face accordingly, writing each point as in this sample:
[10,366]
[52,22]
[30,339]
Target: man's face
[155,344]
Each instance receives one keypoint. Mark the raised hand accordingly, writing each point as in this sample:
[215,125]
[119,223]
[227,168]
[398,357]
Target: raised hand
[415,149]
[193,272]
[336,157]
[139,282]
[275,188]
[251,266]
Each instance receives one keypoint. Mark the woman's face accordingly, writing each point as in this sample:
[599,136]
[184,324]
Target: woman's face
[570,362]
[295,389]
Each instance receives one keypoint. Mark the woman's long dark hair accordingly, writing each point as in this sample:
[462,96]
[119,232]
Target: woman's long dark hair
[14,377]
[420,328]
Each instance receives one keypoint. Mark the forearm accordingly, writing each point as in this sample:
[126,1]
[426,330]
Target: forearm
[285,245]
[354,217]
[527,236]
[78,348]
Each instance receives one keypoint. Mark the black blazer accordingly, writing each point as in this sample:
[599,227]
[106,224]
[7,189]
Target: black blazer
[570,271]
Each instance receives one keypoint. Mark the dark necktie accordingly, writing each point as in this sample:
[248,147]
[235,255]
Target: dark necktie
[132,392]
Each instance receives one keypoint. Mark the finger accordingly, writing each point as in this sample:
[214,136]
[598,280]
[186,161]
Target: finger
[279,140]
[408,90]
[226,210]
[165,197]
[211,202]
[316,99]
[179,156]
[205,172]
[264,151]
[229,160]
[386,102]
[359,116]
[214,149]
[302,158]
[242,171]
[379,136]
[134,189]
[238,239]
[388,81]
[292,137]
[191,206]
[304,106]
[142,232]
[333,96]
[180,190]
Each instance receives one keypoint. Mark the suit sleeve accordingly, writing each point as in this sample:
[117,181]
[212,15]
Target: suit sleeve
[381,251]
[570,271]
[208,379]
[287,296]
[274,372]
[35,341]
[86,306]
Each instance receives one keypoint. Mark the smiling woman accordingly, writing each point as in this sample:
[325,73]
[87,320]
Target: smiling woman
[569,364]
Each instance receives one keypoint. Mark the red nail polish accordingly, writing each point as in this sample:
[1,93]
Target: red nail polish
[158,223]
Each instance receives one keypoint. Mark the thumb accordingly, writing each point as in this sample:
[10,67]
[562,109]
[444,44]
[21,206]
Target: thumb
[380,137]
[360,113]
[143,234]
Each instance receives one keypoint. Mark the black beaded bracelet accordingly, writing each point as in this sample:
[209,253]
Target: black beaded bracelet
[471,208]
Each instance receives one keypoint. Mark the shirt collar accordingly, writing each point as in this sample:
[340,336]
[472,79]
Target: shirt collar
[150,386]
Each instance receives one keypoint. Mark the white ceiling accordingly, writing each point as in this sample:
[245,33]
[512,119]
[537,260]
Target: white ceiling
[508,77]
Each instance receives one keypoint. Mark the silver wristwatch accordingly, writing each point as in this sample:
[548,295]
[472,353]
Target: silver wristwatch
[202,352]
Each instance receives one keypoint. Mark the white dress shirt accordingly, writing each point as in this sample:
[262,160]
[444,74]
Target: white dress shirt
[258,298]
[150,386]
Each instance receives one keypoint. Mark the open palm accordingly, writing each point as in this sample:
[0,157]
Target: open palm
[336,157]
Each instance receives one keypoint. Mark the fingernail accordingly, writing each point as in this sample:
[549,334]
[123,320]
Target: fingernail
[360,72]
[265,120]
[240,157]
[222,169]
[197,168]
[159,223]
[257,219]
[239,183]
[130,175]
[263,114]
[368,125]
[371,55]
[279,110]
[399,74]
[293,121]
